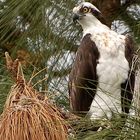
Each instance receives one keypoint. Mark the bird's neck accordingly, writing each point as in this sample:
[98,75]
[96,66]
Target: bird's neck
[93,26]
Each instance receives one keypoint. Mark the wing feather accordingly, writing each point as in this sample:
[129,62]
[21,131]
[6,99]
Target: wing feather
[128,86]
[83,78]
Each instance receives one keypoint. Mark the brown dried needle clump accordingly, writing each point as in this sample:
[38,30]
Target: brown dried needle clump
[26,116]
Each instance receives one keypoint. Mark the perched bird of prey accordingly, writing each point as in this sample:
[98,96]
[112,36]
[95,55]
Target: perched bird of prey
[102,78]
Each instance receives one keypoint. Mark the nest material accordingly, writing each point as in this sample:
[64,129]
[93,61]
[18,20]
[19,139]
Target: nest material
[28,116]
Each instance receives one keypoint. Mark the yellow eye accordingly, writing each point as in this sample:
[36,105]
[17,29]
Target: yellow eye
[86,10]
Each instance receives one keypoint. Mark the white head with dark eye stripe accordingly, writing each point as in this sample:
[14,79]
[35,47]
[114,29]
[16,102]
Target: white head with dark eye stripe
[87,15]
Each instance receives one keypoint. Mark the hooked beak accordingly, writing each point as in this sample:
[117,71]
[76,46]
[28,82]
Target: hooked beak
[77,17]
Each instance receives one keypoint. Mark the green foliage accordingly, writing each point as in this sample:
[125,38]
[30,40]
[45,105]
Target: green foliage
[40,33]
[108,129]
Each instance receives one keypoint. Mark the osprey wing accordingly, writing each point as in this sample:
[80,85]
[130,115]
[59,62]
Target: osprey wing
[83,78]
[128,86]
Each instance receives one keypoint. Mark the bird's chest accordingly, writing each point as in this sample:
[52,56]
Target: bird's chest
[112,69]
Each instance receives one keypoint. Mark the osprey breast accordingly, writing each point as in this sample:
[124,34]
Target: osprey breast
[112,71]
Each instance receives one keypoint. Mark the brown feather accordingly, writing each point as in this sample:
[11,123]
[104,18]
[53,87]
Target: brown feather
[128,86]
[83,79]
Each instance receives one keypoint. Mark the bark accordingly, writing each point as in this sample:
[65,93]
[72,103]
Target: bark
[109,8]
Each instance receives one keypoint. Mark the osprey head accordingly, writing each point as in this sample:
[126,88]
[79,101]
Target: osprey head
[87,14]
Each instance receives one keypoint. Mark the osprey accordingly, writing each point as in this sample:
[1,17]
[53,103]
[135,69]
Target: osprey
[102,78]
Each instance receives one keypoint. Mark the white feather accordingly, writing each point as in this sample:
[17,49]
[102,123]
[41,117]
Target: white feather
[112,69]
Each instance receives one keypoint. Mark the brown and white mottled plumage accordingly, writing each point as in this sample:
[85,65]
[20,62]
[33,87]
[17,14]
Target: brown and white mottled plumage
[102,78]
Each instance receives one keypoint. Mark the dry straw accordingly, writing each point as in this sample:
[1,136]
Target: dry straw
[28,115]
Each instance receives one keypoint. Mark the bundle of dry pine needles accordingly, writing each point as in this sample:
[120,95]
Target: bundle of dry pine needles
[27,115]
